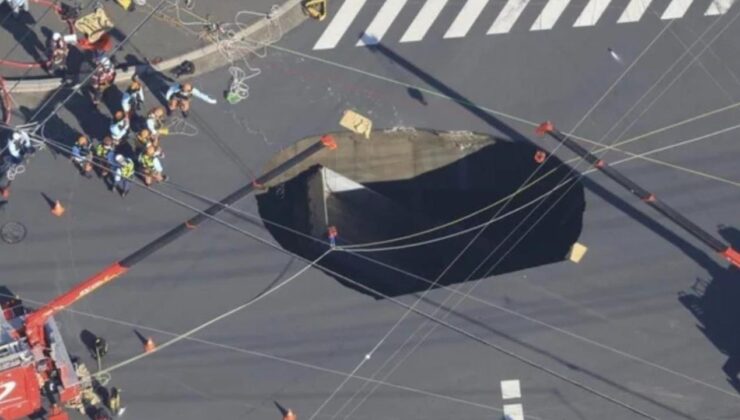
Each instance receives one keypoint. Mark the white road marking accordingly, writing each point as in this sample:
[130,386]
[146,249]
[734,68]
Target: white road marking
[465,19]
[676,9]
[510,389]
[549,15]
[591,13]
[423,20]
[719,7]
[514,411]
[339,25]
[382,21]
[634,11]
[508,16]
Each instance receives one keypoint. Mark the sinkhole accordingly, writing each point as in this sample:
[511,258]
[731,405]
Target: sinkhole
[413,207]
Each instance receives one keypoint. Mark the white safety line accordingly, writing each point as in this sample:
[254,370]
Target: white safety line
[634,11]
[676,9]
[382,21]
[719,7]
[549,15]
[339,25]
[513,412]
[465,19]
[510,389]
[591,13]
[423,20]
[508,16]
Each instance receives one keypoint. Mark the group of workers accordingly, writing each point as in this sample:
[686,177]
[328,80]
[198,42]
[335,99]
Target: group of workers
[107,158]
[147,145]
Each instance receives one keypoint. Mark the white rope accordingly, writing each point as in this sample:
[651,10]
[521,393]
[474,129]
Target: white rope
[238,89]
[214,320]
[180,126]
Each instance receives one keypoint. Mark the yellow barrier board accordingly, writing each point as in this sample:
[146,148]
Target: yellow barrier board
[126,4]
[356,123]
[94,25]
[577,252]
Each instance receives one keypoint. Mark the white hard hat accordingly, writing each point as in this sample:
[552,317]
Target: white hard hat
[56,36]
[120,158]
[16,135]
[105,61]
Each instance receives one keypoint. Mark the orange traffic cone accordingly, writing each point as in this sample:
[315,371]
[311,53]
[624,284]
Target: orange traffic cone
[290,415]
[149,346]
[57,210]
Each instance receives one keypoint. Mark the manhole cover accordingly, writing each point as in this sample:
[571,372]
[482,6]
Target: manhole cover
[13,232]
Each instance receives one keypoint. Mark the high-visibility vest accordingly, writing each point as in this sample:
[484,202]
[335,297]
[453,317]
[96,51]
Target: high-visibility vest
[101,150]
[146,161]
[127,170]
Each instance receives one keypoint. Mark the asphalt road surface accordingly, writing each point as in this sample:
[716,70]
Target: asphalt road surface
[644,323]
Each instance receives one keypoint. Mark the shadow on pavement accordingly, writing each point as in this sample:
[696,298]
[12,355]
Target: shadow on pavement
[23,34]
[714,303]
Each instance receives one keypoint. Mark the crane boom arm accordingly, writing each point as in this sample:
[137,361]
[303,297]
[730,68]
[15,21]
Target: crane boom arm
[649,198]
[34,327]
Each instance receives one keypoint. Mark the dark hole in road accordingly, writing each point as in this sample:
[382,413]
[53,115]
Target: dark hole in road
[392,208]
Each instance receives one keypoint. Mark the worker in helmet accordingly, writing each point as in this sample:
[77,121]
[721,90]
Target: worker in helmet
[151,166]
[120,127]
[179,95]
[102,78]
[155,120]
[103,153]
[19,146]
[144,138]
[57,51]
[133,98]
[123,175]
[82,156]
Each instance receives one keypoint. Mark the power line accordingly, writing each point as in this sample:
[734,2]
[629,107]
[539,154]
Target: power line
[409,308]
[76,88]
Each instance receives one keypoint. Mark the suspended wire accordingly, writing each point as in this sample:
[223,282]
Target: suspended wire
[468,295]
[28,70]
[520,239]
[529,229]
[77,87]
[214,320]
[686,67]
[409,308]
[103,374]
[482,230]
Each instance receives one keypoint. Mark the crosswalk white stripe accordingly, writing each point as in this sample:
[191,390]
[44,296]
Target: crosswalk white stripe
[508,16]
[676,9]
[549,15]
[339,25]
[382,21]
[465,19]
[591,13]
[719,7]
[423,20]
[634,11]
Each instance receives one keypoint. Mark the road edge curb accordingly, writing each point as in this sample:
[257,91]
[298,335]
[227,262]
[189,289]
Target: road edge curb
[288,15]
